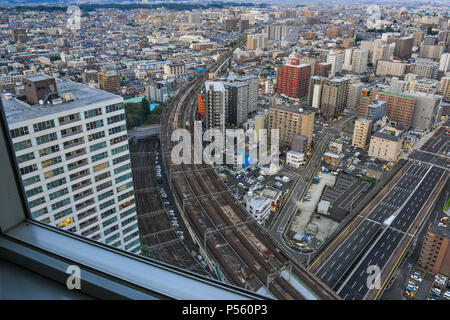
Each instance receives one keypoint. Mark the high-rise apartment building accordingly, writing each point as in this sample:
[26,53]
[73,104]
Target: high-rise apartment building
[354,95]
[236,102]
[425,68]
[435,252]
[252,82]
[291,121]
[334,97]
[109,81]
[403,47]
[424,85]
[337,61]
[376,110]
[390,68]
[361,133]
[445,87]
[257,41]
[426,111]
[74,162]
[293,79]
[444,62]
[359,60]
[400,108]
[215,111]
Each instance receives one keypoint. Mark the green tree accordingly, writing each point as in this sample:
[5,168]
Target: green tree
[145,106]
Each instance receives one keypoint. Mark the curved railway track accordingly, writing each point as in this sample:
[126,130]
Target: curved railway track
[243,251]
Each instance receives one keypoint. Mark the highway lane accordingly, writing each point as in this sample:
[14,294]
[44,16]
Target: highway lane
[332,271]
[355,286]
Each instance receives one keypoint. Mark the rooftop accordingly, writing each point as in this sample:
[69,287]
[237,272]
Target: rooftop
[17,111]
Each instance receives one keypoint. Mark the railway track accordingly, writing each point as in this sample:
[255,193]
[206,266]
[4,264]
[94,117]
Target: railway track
[245,253]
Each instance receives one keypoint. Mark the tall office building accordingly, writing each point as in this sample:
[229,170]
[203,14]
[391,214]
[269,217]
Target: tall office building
[73,158]
[291,121]
[293,79]
[359,61]
[215,111]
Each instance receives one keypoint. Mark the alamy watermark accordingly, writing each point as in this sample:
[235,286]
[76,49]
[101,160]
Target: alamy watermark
[373,280]
[74,280]
[230,146]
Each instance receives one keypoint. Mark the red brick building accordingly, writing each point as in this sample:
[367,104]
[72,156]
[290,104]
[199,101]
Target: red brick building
[293,79]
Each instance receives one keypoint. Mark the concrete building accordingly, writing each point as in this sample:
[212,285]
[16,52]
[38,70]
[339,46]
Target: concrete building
[295,159]
[323,69]
[361,133]
[293,79]
[397,86]
[425,68]
[291,121]
[236,102]
[175,68]
[252,82]
[299,144]
[445,87]
[156,92]
[400,108]
[348,54]
[390,68]
[109,81]
[334,97]
[257,42]
[435,252]
[215,99]
[431,51]
[73,158]
[376,110]
[403,47]
[426,111]
[382,51]
[359,61]
[337,61]
[259,207]
[354,95]
[444,62]
[424,85]
[386,143]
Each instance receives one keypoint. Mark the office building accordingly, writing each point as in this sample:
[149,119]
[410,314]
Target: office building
[293,79]
[361,133]
[74,162]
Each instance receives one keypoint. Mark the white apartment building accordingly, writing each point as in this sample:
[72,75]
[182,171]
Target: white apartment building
[295,159]
[337,61]
[359,61]
[72,152]
[259,207]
